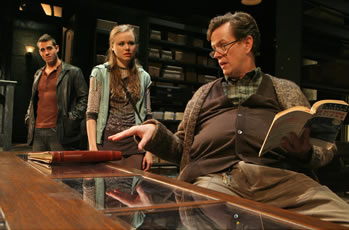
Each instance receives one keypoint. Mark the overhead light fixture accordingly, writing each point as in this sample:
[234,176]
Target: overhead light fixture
[51,10]
[57,11]
[47,9]
[250,2]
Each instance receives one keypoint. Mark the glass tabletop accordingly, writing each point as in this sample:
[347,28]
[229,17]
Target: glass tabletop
[206,216]
[149,202]
[110,193]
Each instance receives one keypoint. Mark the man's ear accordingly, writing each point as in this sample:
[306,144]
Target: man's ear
[57,48]
[248,42]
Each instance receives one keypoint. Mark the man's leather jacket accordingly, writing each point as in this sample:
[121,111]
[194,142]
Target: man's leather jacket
[72,94]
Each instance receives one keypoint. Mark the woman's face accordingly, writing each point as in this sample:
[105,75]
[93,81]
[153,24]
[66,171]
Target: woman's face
[124,47]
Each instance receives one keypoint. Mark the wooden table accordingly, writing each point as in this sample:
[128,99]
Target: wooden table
[80,196]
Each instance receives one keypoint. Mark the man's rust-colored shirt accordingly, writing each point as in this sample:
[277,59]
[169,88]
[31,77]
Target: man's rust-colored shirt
[47,110]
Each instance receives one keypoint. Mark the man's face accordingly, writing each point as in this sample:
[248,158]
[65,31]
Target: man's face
[230,57]
[48,52]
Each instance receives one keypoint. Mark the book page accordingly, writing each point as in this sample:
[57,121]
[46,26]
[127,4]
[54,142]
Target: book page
[41,167]
[317,105]
[40,156]
[327,121]
[293,121]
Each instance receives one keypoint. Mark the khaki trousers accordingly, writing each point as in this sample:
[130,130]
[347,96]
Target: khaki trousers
[281,188]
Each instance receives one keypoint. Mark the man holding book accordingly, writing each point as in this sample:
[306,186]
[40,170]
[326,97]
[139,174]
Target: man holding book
[225,123]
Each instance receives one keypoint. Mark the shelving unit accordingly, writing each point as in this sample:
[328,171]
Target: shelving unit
[325,50]
[325,57]
[178,62]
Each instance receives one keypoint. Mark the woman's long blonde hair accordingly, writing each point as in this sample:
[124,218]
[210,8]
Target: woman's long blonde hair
[133,85]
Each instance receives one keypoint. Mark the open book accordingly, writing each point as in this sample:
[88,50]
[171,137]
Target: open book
[74,156]
[324,120]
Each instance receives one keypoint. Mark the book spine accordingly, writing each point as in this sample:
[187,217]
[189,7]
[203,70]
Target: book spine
[84,156]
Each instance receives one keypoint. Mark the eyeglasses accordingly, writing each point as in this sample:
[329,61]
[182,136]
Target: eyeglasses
[223,49]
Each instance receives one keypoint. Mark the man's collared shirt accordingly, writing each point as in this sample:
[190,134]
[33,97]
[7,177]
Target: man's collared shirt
[238,90]
[47,110]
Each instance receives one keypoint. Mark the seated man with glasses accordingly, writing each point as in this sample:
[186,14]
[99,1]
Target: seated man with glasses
[224,125]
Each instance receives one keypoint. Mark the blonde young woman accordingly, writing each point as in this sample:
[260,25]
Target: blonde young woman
[110,110]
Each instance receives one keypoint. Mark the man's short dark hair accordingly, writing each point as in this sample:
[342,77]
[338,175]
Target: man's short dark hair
[46,38]
[242,25]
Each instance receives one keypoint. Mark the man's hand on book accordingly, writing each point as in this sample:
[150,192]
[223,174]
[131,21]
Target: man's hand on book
[298,147]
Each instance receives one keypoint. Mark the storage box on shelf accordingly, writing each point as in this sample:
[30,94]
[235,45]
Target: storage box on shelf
[154,52]
[179,116]
[173,72]
[169,115]
[155,34]
[154,69]
[166,55]
[179,56]
[158,115]
[177,38]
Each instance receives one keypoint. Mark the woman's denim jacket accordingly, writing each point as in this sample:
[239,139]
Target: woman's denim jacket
[101,74]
